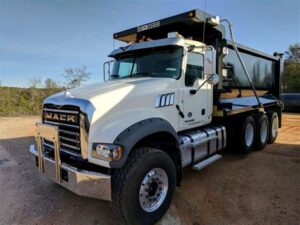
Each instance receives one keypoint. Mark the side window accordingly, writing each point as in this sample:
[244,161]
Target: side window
[194,68]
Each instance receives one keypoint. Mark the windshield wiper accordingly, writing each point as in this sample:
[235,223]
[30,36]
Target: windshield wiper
[147,74]
[143,74]
[114,76]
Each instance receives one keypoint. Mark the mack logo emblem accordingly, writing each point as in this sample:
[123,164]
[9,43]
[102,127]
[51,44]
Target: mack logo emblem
[60,117]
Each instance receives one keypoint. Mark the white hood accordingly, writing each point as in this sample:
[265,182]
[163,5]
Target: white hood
[110,99]
[93,91]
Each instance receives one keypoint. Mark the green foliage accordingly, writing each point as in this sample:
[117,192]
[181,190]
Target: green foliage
[292,69]
[34,82]
[293,55]
[23,101]
[292,77]
[75,76]
[49,83]
[28,101]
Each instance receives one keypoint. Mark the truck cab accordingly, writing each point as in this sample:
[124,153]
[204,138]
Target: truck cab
[179,63]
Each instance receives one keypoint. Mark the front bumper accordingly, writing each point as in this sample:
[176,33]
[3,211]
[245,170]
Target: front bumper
[84,183]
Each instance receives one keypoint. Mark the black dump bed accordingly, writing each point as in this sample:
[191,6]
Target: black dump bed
[266,73]
[234,94]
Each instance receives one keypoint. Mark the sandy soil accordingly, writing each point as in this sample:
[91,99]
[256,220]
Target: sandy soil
[260,188]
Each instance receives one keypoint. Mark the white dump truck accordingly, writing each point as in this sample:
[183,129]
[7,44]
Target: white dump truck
[174,96]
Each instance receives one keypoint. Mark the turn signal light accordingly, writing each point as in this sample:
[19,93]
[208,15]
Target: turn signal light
[108,152]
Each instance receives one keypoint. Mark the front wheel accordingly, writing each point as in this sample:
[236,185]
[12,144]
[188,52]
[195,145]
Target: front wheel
[143,188]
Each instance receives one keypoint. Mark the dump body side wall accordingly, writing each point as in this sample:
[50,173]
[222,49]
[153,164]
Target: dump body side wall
[264,70]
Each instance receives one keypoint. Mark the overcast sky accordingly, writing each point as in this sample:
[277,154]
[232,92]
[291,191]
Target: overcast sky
[39,38]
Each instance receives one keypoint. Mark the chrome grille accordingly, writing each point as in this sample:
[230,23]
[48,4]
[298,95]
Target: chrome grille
[67,118]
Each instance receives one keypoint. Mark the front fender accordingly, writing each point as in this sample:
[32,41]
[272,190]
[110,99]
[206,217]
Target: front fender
[132,135]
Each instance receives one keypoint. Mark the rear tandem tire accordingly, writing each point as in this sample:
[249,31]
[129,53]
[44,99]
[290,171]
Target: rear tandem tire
[274,126]
[262,131]
[143,188]
[247,138]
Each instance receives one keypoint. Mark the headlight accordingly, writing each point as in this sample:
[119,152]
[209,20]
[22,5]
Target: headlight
[108,152]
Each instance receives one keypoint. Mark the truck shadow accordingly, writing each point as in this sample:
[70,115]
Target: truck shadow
[33,199]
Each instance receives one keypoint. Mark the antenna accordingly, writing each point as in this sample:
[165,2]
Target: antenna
[203,38]
[114,25]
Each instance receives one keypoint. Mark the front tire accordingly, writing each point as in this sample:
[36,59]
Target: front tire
[143,188]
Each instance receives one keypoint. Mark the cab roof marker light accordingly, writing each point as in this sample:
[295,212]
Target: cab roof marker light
[174,34]
[214,20]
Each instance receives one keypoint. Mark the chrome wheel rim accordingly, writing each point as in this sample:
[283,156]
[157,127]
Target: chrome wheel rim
[275,126]
[263,131]
[249,134]
[153,189]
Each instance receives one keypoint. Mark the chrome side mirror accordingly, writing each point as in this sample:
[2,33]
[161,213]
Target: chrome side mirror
[209,60]
[214,79]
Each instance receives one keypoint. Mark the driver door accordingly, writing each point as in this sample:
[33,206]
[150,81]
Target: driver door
[195,106]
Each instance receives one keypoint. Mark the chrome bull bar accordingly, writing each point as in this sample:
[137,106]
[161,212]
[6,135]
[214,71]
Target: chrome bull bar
[50,133]
[85,183]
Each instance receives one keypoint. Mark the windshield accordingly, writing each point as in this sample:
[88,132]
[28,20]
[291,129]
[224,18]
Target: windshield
[159,62]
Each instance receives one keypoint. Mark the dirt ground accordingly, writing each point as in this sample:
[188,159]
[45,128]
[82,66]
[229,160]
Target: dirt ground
[260,188]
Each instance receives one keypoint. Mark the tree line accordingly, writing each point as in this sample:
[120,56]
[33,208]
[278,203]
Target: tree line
[74,77]
[291,78]
[28,101]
